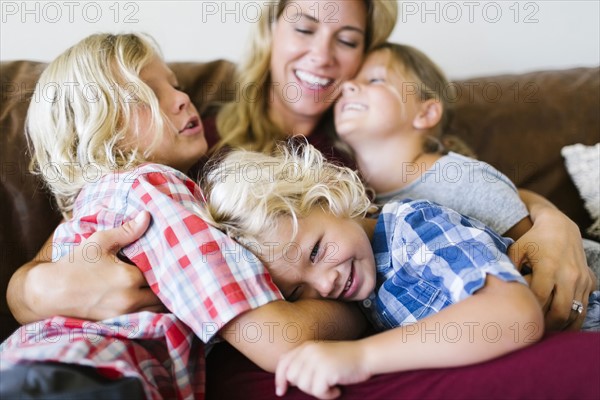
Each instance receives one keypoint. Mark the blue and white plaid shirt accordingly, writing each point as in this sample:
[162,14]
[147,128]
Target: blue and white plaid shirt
[429,257]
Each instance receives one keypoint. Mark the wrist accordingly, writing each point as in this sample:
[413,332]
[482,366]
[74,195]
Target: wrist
[369,357]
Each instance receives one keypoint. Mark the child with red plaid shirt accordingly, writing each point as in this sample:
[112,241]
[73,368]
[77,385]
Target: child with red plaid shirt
[111,137]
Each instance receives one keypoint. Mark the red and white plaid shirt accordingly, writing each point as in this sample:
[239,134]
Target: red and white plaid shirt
[203,277]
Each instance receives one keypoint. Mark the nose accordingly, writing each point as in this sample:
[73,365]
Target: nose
[349,87]
[321,53]
[180,101]
[324,282]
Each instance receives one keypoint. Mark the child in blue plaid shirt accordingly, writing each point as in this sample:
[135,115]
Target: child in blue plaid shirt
[394,115]
[438,282]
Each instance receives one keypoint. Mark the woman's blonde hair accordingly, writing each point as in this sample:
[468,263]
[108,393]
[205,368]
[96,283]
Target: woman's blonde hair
[84,104]
[247,192]
[245,123]
[430,83]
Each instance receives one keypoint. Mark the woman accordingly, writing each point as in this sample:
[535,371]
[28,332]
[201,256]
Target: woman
[297,63]
[326,51]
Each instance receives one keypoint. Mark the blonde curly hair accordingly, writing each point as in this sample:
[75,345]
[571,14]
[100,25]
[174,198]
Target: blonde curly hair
[84,104]
[247,192]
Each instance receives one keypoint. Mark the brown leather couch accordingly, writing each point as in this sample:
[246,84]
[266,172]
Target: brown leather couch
[518,123]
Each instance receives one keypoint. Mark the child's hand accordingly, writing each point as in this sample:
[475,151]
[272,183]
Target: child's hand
[316,368]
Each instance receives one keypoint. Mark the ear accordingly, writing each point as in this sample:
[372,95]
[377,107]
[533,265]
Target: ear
[429,114]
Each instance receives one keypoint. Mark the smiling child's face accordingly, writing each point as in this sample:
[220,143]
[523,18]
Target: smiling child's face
[183,142]
[330,258]
[378,102]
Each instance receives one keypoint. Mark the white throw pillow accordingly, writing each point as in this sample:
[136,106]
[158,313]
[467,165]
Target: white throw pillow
[583,165]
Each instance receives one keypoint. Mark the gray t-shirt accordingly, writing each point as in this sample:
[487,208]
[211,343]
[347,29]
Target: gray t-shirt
[469,186]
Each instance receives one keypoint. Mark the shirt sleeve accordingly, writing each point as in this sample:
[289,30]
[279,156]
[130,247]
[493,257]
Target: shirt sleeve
[452,251]
[469,186]
[485,193]
[202,276]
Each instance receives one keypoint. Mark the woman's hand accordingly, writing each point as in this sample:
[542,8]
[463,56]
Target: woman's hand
[317,368]
[89,283]
[554,251]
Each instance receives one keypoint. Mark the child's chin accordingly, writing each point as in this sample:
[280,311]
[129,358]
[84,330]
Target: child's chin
[362,297]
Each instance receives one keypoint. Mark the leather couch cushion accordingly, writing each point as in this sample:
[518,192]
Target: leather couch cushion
[518,123]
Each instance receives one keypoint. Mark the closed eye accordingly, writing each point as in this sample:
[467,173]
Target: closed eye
[315,251]
[352,45]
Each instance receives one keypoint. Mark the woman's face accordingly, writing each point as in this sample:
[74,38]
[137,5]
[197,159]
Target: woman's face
[317,45]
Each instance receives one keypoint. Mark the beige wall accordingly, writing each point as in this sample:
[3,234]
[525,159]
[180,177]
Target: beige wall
[466,38]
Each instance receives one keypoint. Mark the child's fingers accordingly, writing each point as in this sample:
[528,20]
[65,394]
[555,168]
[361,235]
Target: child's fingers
[322,389]
[332,393]
[314,380]
[292,370]
[281,383]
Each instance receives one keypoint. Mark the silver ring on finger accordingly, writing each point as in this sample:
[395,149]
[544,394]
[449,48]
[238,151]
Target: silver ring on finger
[577,306]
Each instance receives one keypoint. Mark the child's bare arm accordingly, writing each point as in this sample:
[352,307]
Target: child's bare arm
[499,318]
[266,333]
[503,316]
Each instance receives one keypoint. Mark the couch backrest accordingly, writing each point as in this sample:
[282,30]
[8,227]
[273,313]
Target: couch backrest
[518,123]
